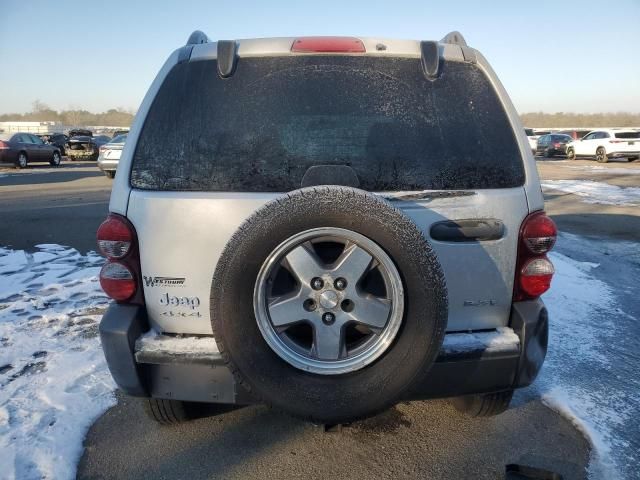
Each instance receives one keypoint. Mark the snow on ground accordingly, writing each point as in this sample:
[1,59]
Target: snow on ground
[584,375]
[608,170]
[597,192]
[53,378]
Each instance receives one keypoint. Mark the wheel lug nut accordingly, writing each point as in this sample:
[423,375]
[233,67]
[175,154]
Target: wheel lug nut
[328,318]
[317,283]
[340,283]
[309,305]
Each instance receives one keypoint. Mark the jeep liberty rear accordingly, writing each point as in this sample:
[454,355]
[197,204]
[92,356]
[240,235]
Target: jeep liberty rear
[328,225]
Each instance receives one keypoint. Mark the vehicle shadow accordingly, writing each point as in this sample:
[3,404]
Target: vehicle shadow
[412,440]
[613,226]
[48,174]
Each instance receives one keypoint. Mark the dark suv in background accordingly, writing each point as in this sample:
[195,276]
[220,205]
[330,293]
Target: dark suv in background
[553,144]
[57,139]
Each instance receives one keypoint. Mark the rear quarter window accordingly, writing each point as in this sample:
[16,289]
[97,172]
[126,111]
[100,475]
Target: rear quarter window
[263,128]
[627,135]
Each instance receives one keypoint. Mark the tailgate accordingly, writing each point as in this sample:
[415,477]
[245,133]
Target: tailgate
[182,235]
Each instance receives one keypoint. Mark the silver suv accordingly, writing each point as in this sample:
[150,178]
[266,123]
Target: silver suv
[328,225]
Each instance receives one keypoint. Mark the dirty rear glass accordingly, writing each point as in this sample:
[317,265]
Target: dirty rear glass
[263,128]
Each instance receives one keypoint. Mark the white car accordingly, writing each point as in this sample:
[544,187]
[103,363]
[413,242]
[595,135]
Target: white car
[110,155]
[605,144]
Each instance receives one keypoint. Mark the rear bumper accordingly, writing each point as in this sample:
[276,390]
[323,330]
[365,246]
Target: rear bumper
[192,369]
[107,165]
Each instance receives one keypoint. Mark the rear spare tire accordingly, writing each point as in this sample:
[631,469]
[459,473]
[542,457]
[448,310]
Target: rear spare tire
[327,302]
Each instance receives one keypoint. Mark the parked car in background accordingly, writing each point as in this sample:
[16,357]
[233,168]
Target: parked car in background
[20,149]
[57,139]
[605,144]
[117,133]
[533,139]
[101,140]
[84,146]
[110,155]
[553,144]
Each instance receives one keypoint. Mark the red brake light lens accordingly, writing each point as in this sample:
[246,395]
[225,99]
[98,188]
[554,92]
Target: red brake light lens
[114,237]
[539,233]
[328,45]
[117,281]
[4,145]
[535,276]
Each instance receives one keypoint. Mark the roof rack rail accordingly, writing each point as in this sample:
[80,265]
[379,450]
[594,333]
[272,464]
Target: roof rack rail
[197,37]
[454,37]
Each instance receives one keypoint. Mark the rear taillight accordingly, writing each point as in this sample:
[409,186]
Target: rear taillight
[534,271]
[556,145]
[115,237]
[538,233]
[327,45]
[118,281]
[120,276]
[4,145]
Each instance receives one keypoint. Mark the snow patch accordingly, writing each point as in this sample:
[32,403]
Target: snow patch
[153,342]
[597,192]
[501,339]
[579,360]
[600,169]
[54,381]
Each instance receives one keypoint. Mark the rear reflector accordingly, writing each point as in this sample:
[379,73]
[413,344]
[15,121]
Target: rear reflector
[117,281]
[535,276]
[539,233]
[114,237]
[327,45]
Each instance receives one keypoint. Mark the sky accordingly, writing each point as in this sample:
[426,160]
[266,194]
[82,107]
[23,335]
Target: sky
[571,56]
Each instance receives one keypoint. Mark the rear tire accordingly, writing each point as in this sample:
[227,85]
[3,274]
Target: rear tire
[601,155]
[548,154]
[110,174]
[167,412]
[484,405]
[22,160]
[571,154]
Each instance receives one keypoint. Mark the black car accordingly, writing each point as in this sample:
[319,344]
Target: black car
[21,148]
[83,145]
[553,144]
[57,139]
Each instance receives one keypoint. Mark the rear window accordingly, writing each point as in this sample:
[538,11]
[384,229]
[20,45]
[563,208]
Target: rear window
[263,128]
[627,135]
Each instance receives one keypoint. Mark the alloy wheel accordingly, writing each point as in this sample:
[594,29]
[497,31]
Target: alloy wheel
[329,301]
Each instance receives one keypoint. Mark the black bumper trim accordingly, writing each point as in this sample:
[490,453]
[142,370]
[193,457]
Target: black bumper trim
[120,327]
[453,373]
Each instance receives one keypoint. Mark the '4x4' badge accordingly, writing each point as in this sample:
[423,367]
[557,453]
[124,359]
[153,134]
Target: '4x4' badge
[181,314]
